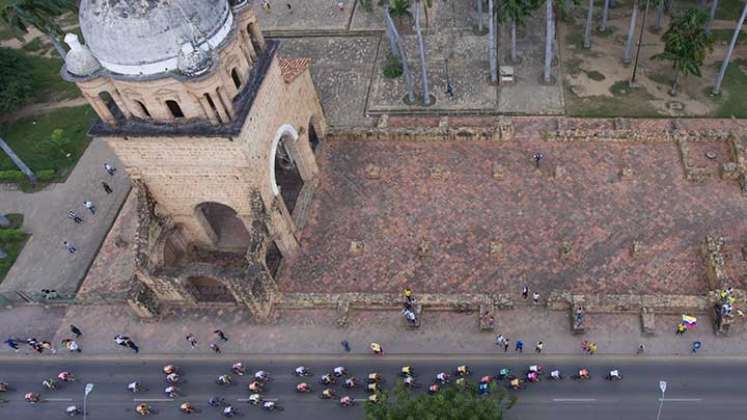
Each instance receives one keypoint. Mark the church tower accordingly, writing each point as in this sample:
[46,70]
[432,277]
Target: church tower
[218,133]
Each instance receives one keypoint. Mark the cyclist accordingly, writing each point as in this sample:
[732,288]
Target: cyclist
[327,379]
[238,368]
[350,383]
[327,394]
[187,408]
[134,387]
[433,389]
[169,369]
[407,371]
[374,377]
[303,387]
[340,371]
[172,378]
[143,409]
[262,376]
[442,377]
[409,381]
[376,348]
[229,411]
[216,402]
[72,410]
[302,371]
[269,405]
[255,386]
[50,384]
[171,391]
[65,376]
[224,380]
[346,401]
[255,399]
[463,370]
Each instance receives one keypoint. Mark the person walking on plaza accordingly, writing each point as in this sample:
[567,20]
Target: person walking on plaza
[408,295]
[345,345]
[192,340]
[69,247]
[505,345]
[641,349]
[220,334]
[76,331]
[109,169]
[106,187]
[519,346]
[75,216]
[121,340]
[376,348]
[539,346]
[680,329]
[214,347]
[131,344]
[525,292]
[12,344]
[89,205]
[592,348]
[499,340]
[535,298]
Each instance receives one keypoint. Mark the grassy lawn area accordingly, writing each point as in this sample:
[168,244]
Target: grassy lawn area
[30,139]
[48,86]
[729,10]
[12,240]
[732,100]
[724,36]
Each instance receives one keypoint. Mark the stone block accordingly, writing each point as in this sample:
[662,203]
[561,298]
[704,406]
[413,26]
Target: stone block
[357,247]
[499,172]
[496,249]
[648,322]
[373,171]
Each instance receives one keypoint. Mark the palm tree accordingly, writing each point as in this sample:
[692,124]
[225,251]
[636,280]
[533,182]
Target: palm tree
[493,56]
[395,44]
[423,66]
[549,36]
[516,11]
[660,4]
[629,42]
[479,16]
[587,30]
[714,6]
[722,72]
[686,44]
[605,14]
[19,15]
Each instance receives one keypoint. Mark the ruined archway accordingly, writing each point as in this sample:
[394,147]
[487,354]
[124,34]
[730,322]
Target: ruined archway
[207,289]
[284,172]
[223,226]
[314,139]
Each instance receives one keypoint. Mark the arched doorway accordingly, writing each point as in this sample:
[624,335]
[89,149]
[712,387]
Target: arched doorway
[207,289]
[223,225]
[111,104]
[286,178]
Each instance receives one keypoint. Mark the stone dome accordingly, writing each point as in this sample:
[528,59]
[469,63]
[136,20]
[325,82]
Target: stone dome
[193,61]
[144,37]
[79,61]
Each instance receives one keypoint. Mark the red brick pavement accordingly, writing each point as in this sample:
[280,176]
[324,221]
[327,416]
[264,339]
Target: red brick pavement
[458,208]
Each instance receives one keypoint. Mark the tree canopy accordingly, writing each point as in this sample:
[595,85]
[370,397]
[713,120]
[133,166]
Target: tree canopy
[451,403]
[15,84]
[686,42]
[516,10]
[41,14]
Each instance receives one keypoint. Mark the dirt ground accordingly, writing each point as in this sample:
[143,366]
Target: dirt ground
[596,79]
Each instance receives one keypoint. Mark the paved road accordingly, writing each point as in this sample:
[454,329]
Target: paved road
[698,388]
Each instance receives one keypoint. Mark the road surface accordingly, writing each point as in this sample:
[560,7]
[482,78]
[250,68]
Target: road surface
[697,388]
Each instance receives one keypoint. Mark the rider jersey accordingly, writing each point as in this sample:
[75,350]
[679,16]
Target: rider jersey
[339,370]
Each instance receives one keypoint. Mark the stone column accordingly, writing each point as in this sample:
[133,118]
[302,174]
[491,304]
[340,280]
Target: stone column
[304,156]
[121,103]
[224,101]
[257,34]
[283,229]
[208,110]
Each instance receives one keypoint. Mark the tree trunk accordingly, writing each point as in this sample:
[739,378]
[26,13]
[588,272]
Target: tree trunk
[423,66]
[714,6]
[409,88]
[722,72]
[513,41]
[673,91]
[629,43]
[57,45]
[479,16]
[391,34]
[491,44]
[659,15]
[547,76]
[605,14]
[587,30]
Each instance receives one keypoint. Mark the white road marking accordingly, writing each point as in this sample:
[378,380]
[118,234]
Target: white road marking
[152,399]
[680,399]
[263,399]
[574,399]
[58,399]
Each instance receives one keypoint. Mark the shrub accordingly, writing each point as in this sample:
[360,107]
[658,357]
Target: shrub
[11,235]
[35,44]
[392,68]
[12,176]
[15,85]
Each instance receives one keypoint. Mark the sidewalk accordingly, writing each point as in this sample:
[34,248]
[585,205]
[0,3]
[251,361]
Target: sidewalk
[314,331]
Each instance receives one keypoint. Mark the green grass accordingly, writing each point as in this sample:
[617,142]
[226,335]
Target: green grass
[633,104]
[29,138]
[724,36]
[732,101]
[12,248]
[594,75]
[48,85]
[729,10]
[621,88]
